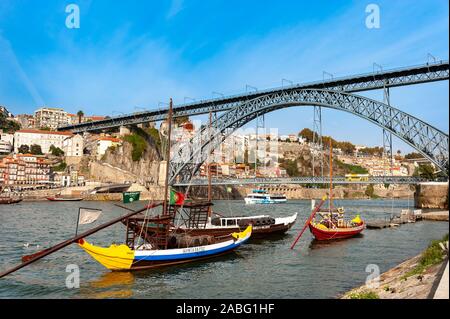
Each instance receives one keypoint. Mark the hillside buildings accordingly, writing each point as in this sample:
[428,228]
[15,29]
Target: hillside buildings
[25,169]
[50,117]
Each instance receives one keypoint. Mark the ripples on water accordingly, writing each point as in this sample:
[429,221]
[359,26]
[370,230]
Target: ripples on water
[261,269]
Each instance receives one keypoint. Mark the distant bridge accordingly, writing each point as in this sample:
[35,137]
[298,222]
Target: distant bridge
[302,180]
[357,83]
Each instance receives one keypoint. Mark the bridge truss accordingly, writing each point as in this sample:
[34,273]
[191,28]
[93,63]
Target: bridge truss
[426,139]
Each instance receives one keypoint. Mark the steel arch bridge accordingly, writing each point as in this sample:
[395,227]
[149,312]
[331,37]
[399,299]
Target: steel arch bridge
[426,139]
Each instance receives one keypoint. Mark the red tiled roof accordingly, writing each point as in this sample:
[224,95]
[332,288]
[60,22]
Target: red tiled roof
[108,138]
[96,118]
[44,132]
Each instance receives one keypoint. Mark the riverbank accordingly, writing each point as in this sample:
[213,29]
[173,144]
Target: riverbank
[416,278]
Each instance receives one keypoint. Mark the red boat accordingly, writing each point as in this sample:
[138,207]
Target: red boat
[320,232]
[331,224]
[64,199]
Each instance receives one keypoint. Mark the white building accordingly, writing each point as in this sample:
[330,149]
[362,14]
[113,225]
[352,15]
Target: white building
[73,146]
[50,117]
[7,137]
[104,142]
[43,138]
[5,147]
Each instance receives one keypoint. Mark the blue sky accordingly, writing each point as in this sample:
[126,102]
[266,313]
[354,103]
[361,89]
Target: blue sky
[129,55]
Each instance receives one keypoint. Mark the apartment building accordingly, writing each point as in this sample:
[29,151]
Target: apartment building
[50,117]
[24,169]
[74,119]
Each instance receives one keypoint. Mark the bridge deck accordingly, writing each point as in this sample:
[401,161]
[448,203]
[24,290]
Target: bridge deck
[356,83]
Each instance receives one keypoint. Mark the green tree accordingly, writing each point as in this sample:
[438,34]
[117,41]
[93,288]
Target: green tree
[56,151]
[80,114]
[60,167]
[425,171]
[181,120]
[307,134]
[35,149]
[413,155]
[291,167]
[24,149]
[45,128]
[370,191]
[154,135]
[8,126]
[139,145]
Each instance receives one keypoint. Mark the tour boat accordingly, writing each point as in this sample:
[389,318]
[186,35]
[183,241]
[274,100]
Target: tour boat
[262,197]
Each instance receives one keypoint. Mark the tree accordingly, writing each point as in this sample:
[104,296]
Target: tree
[35,149]
[45,128]
[308,135]
[425,171]
[370,191]
[413,155]
[24,149]
[80,114]
[291,167]
[56,151]
[8,126]
[181,120]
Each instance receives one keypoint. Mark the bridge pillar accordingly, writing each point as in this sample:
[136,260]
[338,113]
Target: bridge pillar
[431,195]
[124,131]
[162,173]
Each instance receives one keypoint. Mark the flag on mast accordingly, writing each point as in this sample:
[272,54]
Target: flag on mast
[176,198]
[88,215]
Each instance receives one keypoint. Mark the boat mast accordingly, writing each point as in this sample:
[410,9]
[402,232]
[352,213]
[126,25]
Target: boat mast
[209,169]
[166,183]
[331,178]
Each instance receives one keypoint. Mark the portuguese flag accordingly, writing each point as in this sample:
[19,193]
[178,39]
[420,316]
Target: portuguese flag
[176,198]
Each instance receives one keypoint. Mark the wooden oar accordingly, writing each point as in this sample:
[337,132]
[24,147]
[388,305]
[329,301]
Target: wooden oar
[316,209]
[34,257]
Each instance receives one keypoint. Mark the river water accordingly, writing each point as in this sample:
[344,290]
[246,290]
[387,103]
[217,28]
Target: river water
[260,269]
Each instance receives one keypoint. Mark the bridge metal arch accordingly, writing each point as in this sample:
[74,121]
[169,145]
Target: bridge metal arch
[426,139]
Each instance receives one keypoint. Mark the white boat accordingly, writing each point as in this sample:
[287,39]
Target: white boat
[262,197]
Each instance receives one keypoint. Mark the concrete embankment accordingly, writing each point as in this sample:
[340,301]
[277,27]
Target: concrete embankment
[437,216]
[421,277]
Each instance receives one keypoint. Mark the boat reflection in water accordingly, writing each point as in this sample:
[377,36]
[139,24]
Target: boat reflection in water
[111,285]
[318,244]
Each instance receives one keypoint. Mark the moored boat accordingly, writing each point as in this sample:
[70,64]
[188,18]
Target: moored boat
[332,224]
[124,258]
[9,200]
[262,197]
[64,199]
[322,232]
